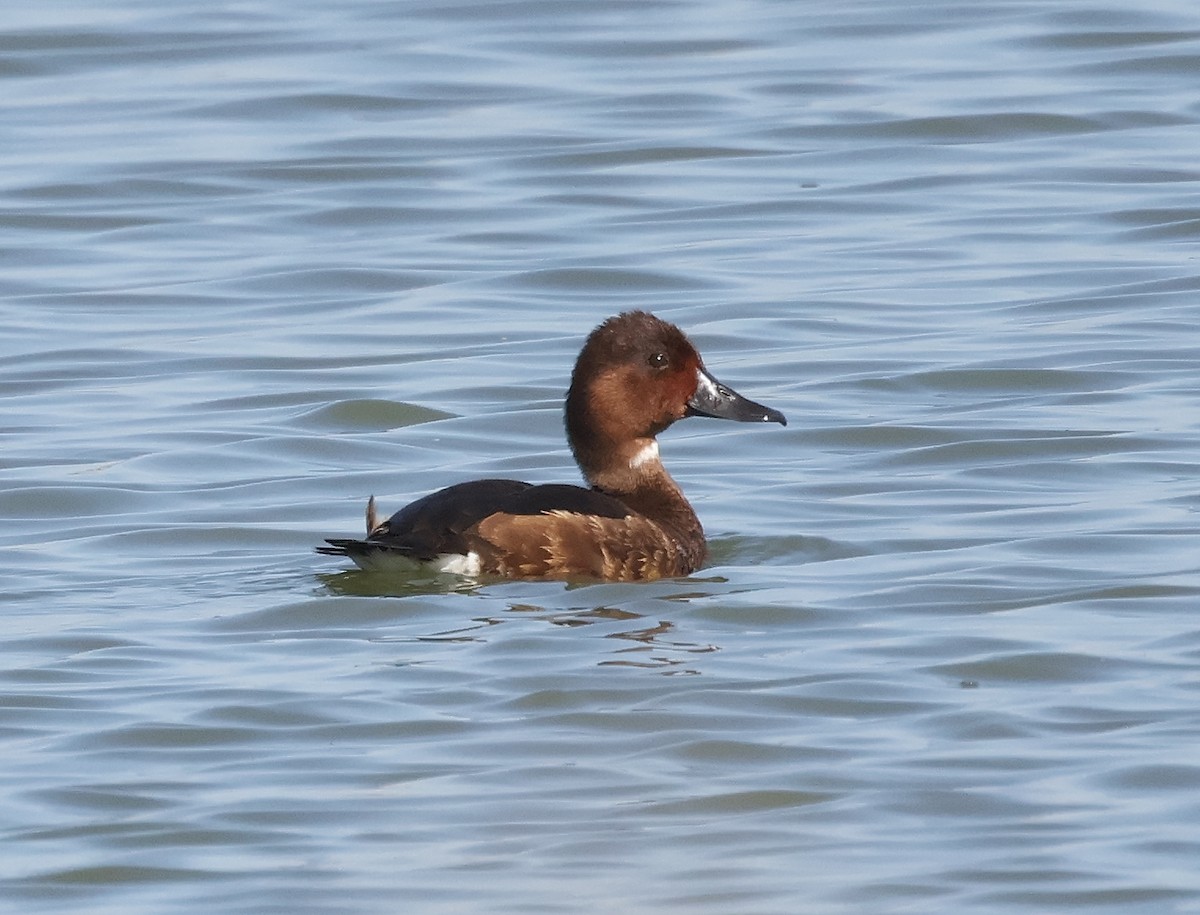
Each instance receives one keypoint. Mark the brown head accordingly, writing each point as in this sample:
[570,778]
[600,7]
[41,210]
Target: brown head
[636,375]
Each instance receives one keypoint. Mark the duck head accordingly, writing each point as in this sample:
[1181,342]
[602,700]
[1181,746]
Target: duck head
[636,375]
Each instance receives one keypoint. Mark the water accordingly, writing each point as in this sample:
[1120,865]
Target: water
[261,260]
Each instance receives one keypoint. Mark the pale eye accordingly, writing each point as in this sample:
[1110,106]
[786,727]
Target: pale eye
[657,360]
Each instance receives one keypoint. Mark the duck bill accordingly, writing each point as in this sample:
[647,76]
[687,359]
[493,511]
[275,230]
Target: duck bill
[720,402]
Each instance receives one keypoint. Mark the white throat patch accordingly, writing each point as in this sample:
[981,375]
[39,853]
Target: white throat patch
[648,453]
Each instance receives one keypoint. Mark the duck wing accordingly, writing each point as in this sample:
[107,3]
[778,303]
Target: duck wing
[447,521]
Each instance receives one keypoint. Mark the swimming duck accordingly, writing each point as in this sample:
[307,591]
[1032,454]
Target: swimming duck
[636,375]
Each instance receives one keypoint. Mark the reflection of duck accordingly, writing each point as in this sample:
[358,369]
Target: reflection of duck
[636,375]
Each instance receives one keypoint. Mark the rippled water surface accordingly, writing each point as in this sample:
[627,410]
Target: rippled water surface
[260,260]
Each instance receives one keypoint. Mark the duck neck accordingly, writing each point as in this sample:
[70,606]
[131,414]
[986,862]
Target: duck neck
[635,474]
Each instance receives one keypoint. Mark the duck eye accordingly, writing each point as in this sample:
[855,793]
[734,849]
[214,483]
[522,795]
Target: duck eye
[657,360]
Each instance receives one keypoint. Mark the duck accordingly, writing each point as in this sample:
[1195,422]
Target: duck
[636,375]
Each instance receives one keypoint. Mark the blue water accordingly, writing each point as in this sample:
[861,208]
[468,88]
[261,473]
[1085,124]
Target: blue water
[262,260]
